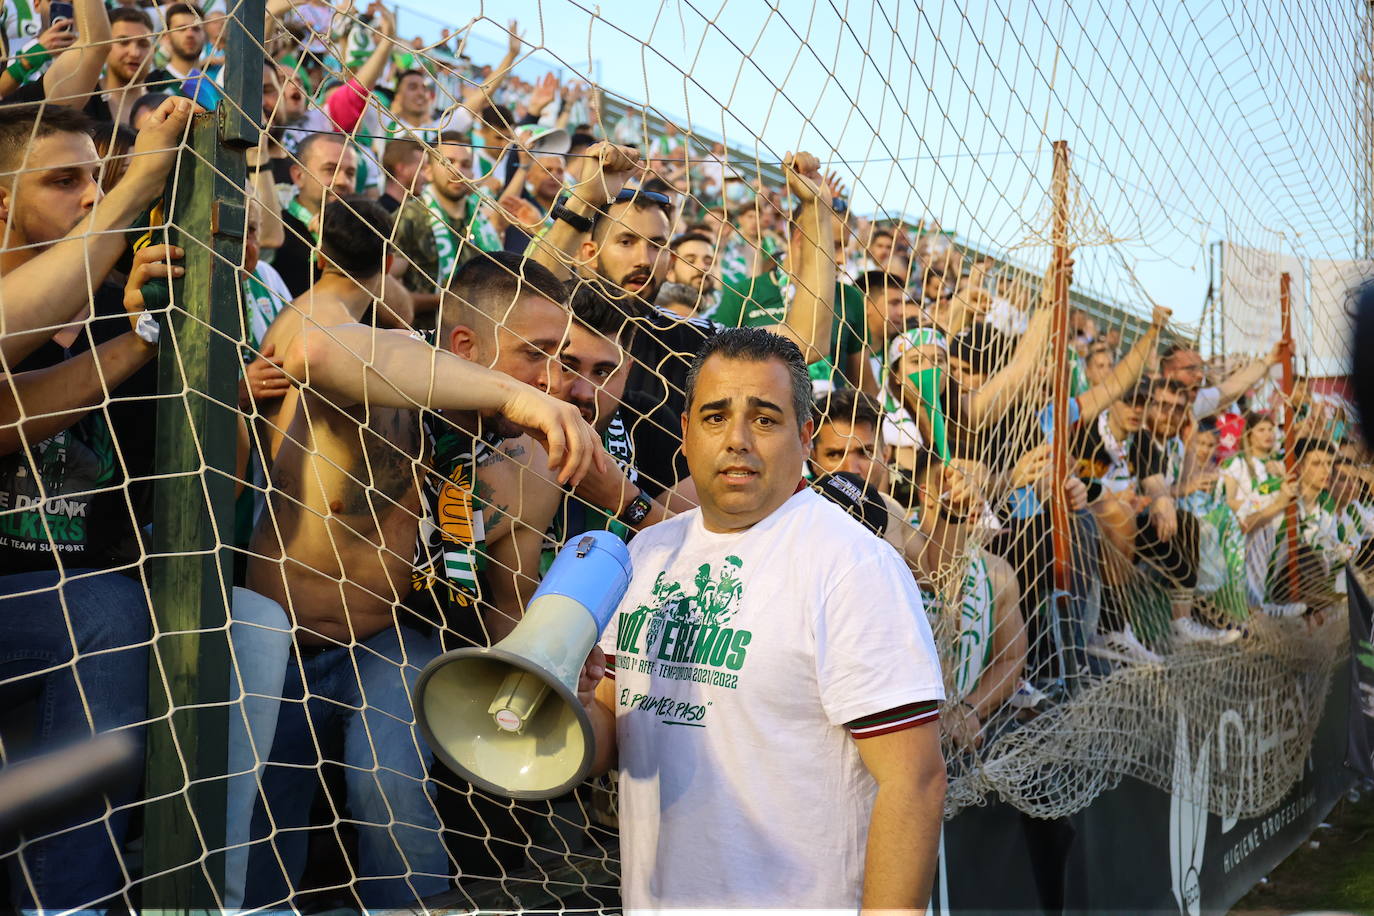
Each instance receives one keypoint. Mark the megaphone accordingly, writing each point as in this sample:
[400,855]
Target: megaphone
[541,140]
[507,718]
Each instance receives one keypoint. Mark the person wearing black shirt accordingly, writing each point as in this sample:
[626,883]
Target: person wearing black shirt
[326,166]
[621,235]
[75,460]
[1166,538]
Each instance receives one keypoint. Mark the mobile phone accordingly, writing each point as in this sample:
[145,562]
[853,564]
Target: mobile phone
[62,9]
[200,89]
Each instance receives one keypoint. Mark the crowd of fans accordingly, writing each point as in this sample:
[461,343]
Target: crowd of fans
[544,278]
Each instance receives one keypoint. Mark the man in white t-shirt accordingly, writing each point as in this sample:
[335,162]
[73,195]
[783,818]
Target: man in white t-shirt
[772,684]
[1182,364]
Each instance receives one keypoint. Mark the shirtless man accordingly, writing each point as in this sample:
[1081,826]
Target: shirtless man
[352,267]
[374,544]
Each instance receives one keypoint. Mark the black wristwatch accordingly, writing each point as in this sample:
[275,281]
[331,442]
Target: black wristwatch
[577,221]
[637,511]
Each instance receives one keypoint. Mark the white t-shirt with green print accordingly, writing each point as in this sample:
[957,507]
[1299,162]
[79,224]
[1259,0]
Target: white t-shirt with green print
[739,660]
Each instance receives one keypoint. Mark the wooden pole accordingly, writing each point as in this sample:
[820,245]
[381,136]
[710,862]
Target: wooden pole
[1061,524]
[1289,429]
[190,564]
[1059,447]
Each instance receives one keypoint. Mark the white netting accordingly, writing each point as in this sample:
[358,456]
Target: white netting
[1176,557]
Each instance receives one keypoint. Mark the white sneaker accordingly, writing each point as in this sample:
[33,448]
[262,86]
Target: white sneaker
[1187,630]
[1284,610]
[1124,647]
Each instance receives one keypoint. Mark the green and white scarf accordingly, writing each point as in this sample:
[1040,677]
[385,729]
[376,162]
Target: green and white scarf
[477,231]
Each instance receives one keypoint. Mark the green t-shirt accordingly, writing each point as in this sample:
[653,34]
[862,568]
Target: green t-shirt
[846,337]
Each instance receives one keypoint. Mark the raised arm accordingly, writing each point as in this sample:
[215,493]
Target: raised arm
[73,75]
[811,317]
[992,400]
[1125,373]
[355,364]
[372,69]
[1242,380]
[611,168]
[41,294]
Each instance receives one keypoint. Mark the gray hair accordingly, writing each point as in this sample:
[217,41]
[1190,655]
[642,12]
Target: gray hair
[756,345]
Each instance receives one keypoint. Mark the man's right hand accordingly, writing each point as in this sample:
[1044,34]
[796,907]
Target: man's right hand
[155,151]
[1165,517]
[612,166]
[574,448]
[1161,317]
[59,36]
[592,672]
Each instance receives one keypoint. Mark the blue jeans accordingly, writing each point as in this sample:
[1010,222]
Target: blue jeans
[104,689]
[260,638]
[364,691]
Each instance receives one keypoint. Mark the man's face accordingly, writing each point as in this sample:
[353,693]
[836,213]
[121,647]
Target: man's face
[59,188]
[1130,415]
[748,220]
[1098,367]
[595,371]
[450,171]
[416,96]
[271,93]
[132,45]
[293,100]
[961,372]
[525,345]
[1185,366]
[881,249]
[327,167]
[1316,469]
[186,35]
[1167,412]
[546,176]
[251,248]
[888,310]
[407,169]
[841,446]
[941,274]
[691,265]
[630,254]
[742,441]
[1203,445]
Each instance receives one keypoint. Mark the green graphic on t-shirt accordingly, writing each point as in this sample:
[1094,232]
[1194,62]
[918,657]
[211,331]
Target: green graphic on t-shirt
[681,628]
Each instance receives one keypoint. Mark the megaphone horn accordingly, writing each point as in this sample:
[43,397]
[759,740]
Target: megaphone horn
[507,718]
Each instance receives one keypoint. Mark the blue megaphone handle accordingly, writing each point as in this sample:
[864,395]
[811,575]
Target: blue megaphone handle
[592,569]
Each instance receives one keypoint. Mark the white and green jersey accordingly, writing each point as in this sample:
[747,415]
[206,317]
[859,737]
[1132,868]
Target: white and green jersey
[264,296]
[972,632]
[21,24]
[1320,530]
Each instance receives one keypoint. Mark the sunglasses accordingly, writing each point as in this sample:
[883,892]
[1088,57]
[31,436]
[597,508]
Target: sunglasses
[629,194]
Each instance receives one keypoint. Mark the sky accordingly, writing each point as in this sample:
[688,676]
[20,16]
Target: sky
[1187,123]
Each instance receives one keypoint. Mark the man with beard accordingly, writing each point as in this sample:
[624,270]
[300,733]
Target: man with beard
[620,235]
[128,69]
[75,459]
[446,225]
[596,367]
[184,39]
[693,265]
[327,167]
[383,464]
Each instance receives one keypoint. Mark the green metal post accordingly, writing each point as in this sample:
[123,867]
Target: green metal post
[190,571]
